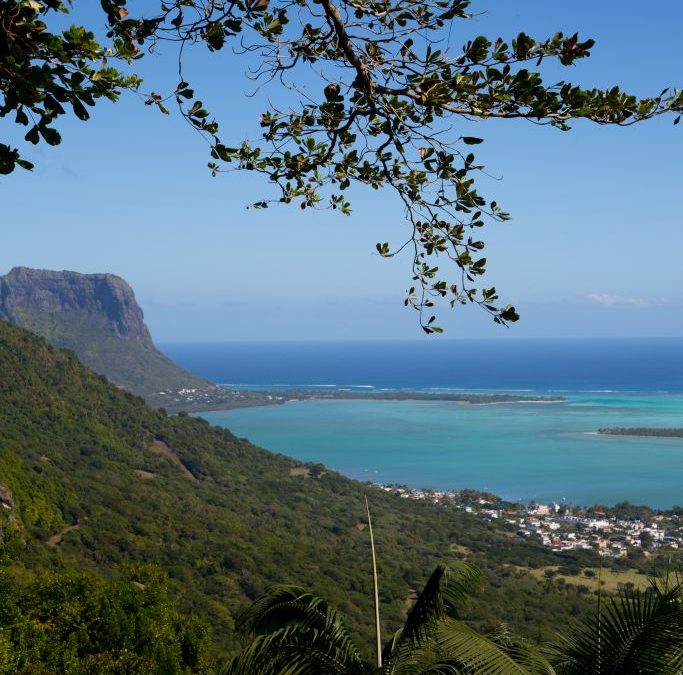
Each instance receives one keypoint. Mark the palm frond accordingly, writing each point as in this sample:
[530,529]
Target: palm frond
[434,641]
[295,632]
[282,605]
[453,648]
[523,652]
[298,611]
[636,632]
[529,656]
[408,659]
[445,594]
[469,652]
[285,653]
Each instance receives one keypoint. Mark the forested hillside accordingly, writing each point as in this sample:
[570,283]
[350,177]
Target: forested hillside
[93,478]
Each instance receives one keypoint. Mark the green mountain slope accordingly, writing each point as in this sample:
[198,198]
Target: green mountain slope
[136,365]
[93,478]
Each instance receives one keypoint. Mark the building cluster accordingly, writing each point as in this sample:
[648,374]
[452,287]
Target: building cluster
[186,395]
[609,536]
[210,397]
[560,527]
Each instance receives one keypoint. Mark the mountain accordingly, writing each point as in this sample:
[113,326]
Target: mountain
[96,316]
[91,478]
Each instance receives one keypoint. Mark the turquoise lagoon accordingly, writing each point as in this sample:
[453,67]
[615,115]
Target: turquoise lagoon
[520,451]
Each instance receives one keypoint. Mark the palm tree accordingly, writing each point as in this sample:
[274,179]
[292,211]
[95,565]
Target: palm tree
[635,633]
[297,633]
[294,632]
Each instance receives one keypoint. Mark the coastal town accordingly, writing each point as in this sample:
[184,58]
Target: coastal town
[193,399]
[618,532]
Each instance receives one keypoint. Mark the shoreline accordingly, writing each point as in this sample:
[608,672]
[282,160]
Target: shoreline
[609,531]
[251,398]
[465,494]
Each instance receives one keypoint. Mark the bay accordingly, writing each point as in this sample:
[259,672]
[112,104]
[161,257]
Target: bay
[545,452]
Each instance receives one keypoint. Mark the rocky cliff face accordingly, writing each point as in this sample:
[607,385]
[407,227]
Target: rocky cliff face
[96,316]
[47,292]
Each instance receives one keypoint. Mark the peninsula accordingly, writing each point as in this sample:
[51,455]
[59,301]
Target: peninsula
[244,398]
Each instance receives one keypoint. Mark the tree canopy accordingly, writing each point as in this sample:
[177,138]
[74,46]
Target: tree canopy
[392,88]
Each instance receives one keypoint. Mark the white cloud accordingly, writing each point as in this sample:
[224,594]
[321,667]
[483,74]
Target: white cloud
[608,300]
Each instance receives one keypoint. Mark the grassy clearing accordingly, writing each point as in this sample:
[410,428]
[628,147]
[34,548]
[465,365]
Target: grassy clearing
[458,548]
[611,579]
[300,471]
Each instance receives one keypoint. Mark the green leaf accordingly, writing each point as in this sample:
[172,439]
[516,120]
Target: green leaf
[22,117]
[24,164]
[51,136]
[79,109]
[32,136]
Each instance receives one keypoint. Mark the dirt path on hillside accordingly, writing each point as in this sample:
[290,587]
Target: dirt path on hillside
[56,539]
[160,448]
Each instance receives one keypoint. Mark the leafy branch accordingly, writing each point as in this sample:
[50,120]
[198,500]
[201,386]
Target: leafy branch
[392,94]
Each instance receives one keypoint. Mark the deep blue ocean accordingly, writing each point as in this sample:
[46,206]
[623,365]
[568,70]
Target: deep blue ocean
[644,365]
[519,451]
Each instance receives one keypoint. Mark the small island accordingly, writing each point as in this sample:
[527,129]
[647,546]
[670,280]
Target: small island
[643,431]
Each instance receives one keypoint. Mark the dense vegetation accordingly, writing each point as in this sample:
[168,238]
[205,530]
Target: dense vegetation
[91,477]
[78,623]
[78,455]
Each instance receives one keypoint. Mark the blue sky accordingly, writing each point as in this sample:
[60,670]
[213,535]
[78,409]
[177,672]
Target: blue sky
[593,249]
